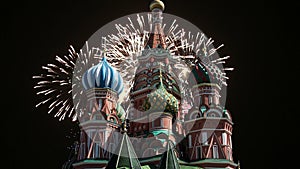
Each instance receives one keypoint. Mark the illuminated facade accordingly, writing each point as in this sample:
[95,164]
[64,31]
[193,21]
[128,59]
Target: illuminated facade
[161,129]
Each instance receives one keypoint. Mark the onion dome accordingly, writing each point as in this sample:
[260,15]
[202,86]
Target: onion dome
[161,101]
[207,73]
[201,74]
[103,75]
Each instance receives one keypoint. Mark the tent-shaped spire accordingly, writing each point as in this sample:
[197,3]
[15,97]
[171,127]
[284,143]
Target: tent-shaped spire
[169,158]
[125,156]
[157,37]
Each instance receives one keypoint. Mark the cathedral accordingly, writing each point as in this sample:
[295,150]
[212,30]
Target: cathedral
[161,130]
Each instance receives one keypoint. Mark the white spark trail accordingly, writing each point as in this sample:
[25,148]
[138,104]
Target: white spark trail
[60,84]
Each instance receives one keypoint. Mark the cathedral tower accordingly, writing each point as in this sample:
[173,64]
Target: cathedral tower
[156,95]
[101,123]
[209,142]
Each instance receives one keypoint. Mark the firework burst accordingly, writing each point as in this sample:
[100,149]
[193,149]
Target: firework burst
[57,86]
[124,47]
[61,85]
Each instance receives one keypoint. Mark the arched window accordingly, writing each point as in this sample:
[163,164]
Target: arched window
[210,100]
[215,151]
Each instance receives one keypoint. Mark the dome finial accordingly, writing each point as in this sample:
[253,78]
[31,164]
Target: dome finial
[157,4]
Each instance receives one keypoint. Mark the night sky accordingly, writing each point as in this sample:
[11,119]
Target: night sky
[36,32]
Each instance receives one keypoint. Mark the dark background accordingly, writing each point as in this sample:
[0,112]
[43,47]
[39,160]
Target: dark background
[253,33]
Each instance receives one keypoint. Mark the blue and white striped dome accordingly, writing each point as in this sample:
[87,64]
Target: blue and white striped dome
[103,75]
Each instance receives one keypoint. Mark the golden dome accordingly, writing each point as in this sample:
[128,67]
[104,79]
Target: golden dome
[157,4]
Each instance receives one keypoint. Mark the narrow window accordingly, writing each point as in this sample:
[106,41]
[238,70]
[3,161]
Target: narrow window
[199,152]
[228,154]
[200,99]
[100,104]
[89,139]
[224,138]
[83,151]
[96,151]
[190,140]
[162,122]
[91,105]
[209,99]
[215,151]
[204,138]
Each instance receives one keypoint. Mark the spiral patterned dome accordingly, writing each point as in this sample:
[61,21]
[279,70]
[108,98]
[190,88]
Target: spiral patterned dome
[103,75]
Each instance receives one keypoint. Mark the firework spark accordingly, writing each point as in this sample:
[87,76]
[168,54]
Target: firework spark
[61,85]
[124,47]
[57,84]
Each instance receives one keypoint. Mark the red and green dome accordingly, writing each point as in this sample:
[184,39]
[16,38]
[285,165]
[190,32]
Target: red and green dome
[201,74]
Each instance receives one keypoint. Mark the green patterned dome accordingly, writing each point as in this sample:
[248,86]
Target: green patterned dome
[161,101]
